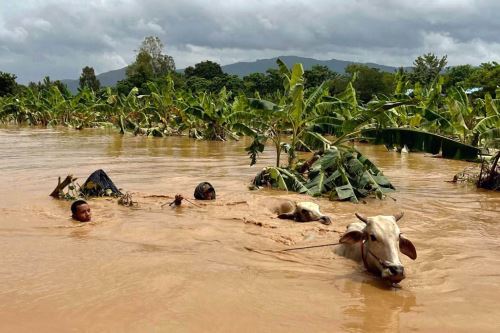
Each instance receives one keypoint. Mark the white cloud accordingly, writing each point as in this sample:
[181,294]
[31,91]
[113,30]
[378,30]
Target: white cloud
[37,23]
[58,38]
[13,35]
[149,27]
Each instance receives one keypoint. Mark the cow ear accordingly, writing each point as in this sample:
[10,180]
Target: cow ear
[406,247]
[352,237]
[399,216]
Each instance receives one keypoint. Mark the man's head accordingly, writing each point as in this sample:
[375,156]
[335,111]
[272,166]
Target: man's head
[80,210]
[204,191]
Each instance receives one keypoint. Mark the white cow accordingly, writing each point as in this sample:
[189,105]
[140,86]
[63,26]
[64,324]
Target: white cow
[304,211]
[375,241]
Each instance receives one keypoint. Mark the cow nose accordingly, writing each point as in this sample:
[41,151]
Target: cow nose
[325,220]
[397,270]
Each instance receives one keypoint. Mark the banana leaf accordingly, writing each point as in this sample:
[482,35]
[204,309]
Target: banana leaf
[343,193]
[282,179]
[311,140]
[340,174]
[256,148]
[346,191]
[491,137]
[417,140]
[317,185]
[260,104]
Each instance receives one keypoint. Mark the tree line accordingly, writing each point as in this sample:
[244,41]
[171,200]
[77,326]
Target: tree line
[455,112]
[152,65]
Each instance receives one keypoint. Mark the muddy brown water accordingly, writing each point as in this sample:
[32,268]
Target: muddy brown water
[189,269]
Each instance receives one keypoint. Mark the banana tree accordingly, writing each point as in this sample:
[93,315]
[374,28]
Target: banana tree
[487,129]
[261,120]
[340,171]
[9,107]
[163,107]
[293,116]
[211,114]
[130,112]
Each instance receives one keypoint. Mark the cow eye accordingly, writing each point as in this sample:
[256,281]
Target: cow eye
[373,238]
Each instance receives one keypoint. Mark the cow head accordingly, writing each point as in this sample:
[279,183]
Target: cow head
[379,239]
[306,212]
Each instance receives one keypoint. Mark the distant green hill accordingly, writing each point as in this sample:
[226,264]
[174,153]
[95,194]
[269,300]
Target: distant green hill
[261,65]
[109,79]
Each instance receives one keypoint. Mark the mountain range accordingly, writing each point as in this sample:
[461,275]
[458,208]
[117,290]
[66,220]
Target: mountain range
[241,69]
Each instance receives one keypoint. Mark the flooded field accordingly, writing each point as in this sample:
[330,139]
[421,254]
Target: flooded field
[188,269]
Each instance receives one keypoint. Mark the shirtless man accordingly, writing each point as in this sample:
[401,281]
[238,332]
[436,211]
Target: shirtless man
[80,210]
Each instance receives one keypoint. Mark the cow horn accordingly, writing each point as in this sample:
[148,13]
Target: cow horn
[361,217]
[399,216]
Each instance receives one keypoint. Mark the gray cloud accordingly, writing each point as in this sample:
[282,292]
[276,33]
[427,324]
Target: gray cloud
[58,38]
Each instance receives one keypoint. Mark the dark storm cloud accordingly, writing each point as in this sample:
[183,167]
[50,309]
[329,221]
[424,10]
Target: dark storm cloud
[58,38]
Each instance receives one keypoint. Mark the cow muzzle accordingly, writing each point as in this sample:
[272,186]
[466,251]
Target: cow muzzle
[325,220]
[394,273]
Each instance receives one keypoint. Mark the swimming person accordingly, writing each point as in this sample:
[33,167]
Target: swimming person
[204,191]
[80,210]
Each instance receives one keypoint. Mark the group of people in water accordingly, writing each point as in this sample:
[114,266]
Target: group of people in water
[99,184]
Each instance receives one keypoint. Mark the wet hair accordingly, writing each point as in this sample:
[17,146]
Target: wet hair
[204,191]
[75,205]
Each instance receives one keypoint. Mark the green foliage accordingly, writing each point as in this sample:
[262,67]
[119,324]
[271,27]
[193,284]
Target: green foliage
[161,64]
[426,68]
[143,66]
[486,77]
[340,174]
[46,86]
[205,69]
[150,65]
[264,84]
[458,76]
[89,80]
[8,85]
[209,115]
[207,76]
[196,83]
[370,82]
[317,75]
[231,82]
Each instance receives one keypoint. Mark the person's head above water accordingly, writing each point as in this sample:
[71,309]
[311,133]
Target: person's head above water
[204,191]
[80,210]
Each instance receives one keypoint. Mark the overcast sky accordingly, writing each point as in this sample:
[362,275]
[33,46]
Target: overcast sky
[59,37]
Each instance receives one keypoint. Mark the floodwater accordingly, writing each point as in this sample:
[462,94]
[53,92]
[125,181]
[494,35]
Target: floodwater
[214,267]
